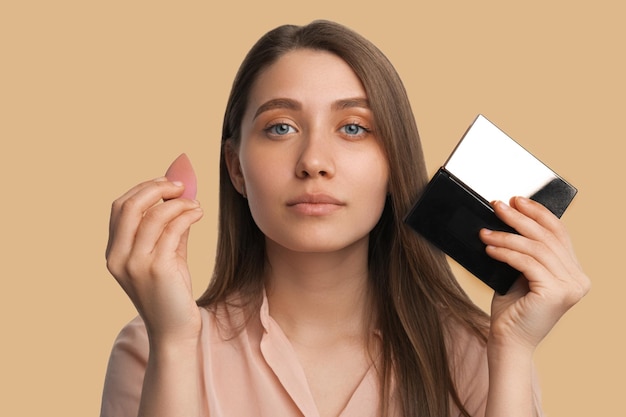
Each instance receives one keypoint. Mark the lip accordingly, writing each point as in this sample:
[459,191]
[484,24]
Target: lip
[315,204]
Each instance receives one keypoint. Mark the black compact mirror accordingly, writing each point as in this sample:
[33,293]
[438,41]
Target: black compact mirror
[486,165]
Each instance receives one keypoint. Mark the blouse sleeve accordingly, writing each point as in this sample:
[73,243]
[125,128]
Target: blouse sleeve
[125,372]
[470,371]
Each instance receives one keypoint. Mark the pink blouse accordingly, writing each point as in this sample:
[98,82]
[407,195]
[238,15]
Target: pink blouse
[257,373]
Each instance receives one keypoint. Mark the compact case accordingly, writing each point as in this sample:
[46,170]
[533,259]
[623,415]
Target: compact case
[485,166]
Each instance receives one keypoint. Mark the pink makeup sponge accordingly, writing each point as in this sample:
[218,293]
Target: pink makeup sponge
[181,170]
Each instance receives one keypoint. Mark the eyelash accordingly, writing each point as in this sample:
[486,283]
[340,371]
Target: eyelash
[271,129]
[363,130]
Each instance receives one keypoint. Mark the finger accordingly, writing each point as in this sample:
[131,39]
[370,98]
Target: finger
[544,217]
[169,254]
[175,235]
[128,210]
[539,265]
[142,264]
[184,239]
[541,227]
[156,219]
[534,271]
[148,193]
[537,250]
[138,187]
[553,228]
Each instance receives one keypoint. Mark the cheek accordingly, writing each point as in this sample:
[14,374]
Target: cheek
[263,184]
[381,181]
[372,174]
[376,195]
[370,182]
[262,174]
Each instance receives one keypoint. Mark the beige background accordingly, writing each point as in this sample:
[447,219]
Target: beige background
[96,96]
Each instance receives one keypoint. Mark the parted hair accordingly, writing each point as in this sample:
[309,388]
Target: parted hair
[411,281]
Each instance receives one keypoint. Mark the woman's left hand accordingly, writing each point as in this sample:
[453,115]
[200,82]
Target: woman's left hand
[552,281]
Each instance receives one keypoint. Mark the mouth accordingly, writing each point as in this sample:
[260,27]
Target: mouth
[315,204]
[314,199]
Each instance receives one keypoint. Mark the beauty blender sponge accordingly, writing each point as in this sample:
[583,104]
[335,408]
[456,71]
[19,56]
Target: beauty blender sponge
[181,170]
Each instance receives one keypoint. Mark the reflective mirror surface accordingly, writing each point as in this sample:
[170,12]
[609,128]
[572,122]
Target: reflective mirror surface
[496,167]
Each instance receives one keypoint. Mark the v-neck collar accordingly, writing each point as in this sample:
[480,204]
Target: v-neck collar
[281,357]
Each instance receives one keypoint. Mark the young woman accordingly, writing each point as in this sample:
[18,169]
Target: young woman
[323,303]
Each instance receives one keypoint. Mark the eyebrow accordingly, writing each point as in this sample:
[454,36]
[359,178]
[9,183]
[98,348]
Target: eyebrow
[350,103]
[278,103]
[289,104]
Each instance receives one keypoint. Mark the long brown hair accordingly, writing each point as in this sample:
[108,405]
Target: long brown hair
[412,281]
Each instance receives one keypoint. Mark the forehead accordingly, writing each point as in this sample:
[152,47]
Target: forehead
[308,76]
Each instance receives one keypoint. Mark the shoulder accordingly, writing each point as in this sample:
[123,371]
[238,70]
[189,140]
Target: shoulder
[132,338]
[125,371]
[128,362]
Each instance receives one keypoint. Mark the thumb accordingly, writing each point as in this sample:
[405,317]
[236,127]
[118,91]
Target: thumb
[183,244]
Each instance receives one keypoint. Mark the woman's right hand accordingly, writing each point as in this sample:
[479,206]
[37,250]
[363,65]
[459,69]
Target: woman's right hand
[147,255]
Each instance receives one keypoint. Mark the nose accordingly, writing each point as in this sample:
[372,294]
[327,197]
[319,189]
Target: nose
[315,158]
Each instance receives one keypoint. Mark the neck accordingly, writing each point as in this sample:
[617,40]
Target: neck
[317,297]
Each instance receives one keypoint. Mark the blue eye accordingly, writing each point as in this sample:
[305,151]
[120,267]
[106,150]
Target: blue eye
[280,129]
[353,129]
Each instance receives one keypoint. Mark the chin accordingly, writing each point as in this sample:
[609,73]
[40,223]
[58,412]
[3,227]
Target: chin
[318,244]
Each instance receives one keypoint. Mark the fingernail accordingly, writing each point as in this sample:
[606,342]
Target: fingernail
[177,183]
[486,231]
[502,205]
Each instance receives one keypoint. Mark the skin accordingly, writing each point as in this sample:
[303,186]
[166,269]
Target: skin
[307,145]
[147,255]
[309,111]
[553,281]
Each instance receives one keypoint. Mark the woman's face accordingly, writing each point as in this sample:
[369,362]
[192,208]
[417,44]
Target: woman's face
[314,173]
